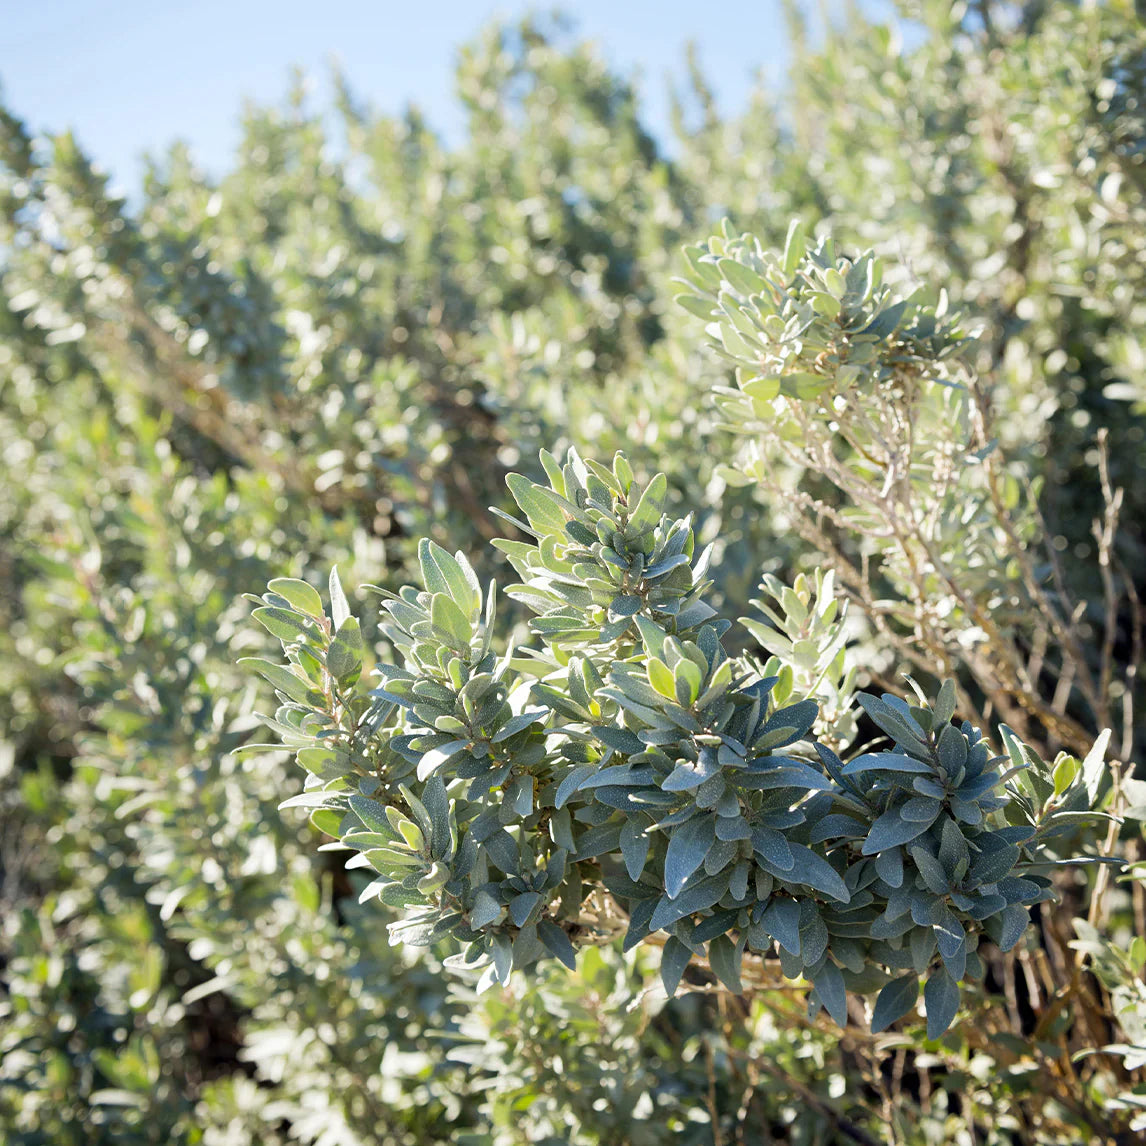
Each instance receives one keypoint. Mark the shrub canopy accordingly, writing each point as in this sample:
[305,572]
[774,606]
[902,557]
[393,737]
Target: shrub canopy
[337,353]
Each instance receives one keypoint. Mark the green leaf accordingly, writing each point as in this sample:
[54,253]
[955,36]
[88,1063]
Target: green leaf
[996,859]
[688,845]
[761,389]
[372,814]
[699,897]
[661,678]
[557,942]
[301,595]
[891,830]
[450,623]
[952,748]
[344,657]
[674,959]
[885,762]
[634,848]
[1093,767]
[521,906]
[625,605]
[944,707]
[773,846]
[284,624]
[831,991]
[543,513]
[941,997]
[687,678]
[794,246]
[815,871]
[701,307]
[931,870]
[894,1001]
[442,573]
[432,760]
[280,677]
[339,606]
[649,508]
[519,723]
[1015,920]
[724,959]
[954,854]
[782,921]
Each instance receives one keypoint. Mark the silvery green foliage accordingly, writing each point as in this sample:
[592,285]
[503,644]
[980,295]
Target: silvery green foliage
[805,630]
[502,801]
[841,375]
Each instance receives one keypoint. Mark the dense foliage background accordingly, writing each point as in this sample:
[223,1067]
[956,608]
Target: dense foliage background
[344,344]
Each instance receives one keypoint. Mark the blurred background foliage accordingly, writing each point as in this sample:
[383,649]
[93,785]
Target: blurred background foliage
[343,344]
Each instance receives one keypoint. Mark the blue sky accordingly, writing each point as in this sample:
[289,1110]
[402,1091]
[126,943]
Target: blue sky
[130,76]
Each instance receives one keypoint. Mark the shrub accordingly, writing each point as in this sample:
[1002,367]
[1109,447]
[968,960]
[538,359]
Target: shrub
[629,773]
[343,344]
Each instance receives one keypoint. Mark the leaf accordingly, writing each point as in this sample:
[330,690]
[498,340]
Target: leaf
[485,909]
[1015,920]
[885,762]
[620,739]
[702,308]
[521,906]
[889,831]
[442,573]
[949,931]
[953,851]
[543,513]
[571,783]
[815,871]
[1093,768]
[921,810]
[372,814]
[647,513]
[634,848]
[952,749]
[894,723]
[437,804]
[794,246]
[339,606]
[894,1001]
[625,605]
[944,707]
[502,954]
[284,624]
[431,761]
[995,861]
[519,723]
[831,991]
[688,845]
[699,897]
[450,623]
[889,867]
[280,677]
[688,775]
[813,936]
[344,657]
[302,596]
[724,959]
[557,942]
[941,998]
[687,679]
[931,870]
[674,959]
[772,845]
[782,921]
[661,677]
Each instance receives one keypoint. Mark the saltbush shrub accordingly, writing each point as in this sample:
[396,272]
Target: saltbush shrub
[344,344]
